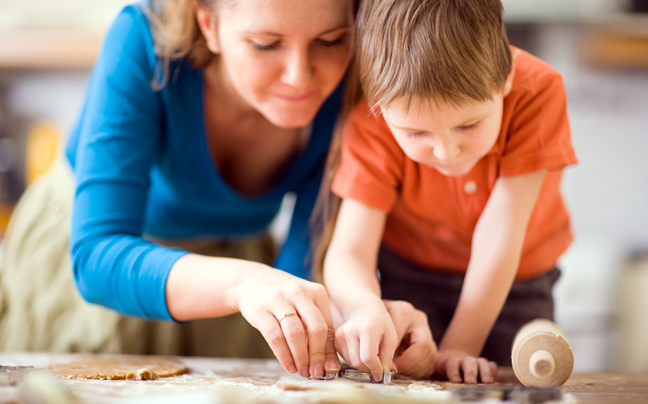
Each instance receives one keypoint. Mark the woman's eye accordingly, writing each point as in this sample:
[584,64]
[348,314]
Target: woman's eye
[333,42]
[264,46]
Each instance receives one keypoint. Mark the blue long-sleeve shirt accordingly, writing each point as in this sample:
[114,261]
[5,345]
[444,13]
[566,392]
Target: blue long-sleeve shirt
[142,166]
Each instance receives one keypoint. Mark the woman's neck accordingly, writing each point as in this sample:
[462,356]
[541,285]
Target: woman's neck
[224,100]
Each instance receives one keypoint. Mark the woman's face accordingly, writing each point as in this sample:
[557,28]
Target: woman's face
[282,58]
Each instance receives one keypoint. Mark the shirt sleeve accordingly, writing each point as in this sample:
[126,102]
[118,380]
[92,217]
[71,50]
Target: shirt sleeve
[120,135]
[371,166]
[539,136]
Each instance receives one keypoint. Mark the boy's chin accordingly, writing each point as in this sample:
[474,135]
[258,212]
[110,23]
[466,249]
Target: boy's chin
[454,171]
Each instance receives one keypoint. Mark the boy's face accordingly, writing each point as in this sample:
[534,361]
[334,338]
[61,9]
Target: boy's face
[450,139]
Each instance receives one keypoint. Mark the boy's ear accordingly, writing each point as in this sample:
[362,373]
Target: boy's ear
[207,23]
[509,79]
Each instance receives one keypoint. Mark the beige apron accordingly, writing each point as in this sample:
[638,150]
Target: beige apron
[41,310]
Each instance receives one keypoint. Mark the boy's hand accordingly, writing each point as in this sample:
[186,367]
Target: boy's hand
[417,351]
[459,366]
[367,339]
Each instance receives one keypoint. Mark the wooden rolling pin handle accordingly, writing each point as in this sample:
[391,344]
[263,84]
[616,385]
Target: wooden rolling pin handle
[541,355]
[542,364]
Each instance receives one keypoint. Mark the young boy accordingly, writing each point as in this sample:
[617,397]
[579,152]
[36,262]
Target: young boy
[449,178]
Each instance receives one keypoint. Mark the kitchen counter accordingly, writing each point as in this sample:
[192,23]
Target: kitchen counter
[212,380]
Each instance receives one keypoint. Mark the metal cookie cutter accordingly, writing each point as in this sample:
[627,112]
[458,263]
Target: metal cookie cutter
[515,395]
[350,373]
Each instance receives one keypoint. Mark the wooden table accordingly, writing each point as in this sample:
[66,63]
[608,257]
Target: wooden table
[212,381]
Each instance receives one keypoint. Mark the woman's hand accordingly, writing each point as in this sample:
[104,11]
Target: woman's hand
[459,366]
[367,339]
[294,317]
[416,351]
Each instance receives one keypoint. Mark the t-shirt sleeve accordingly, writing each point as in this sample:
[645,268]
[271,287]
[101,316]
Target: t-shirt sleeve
[120,135]
[371,164]
[539,136]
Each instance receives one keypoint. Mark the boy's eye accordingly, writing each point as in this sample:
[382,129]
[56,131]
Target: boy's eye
[413,134]
[264,46]
[467,128]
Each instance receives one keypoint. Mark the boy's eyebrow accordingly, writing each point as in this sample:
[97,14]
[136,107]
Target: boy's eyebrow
[472,120]
[270,33]
[407,129]
[465,123]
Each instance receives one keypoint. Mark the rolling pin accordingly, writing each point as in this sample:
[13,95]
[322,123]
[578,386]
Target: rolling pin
[541,355]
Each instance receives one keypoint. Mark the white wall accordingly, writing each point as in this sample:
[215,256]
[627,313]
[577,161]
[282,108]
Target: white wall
[607,193]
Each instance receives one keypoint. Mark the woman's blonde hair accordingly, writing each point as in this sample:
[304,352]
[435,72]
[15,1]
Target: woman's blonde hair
[455,51]
[328,204]
[176,35]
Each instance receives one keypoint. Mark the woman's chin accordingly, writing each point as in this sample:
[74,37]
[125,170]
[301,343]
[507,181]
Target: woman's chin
[291,117]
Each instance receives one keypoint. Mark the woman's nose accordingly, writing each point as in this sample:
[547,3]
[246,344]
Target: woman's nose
[298,69]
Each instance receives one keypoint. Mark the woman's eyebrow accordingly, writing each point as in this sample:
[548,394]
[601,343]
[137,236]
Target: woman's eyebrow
[276,34]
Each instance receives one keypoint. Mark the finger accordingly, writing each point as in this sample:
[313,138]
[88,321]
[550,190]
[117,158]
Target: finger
[494,369]
[274,336]
[353,352]
[293,331]
[387,349]
[341,345]
[399,312]
[485,371]
[369,348]
[452,370]
[332,362]
[416,361]
[317,333]
[469,369]
[414,365]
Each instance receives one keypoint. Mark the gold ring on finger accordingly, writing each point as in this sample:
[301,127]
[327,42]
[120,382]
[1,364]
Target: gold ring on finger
[290,313]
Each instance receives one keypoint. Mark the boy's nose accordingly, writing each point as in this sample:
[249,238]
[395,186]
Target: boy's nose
[446,151]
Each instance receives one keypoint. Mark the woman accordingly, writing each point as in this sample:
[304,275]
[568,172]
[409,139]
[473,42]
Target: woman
[199,117]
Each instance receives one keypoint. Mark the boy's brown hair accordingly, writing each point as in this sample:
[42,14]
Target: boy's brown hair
[454,51]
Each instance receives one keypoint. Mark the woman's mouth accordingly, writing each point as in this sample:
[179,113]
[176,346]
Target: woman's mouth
[295,98]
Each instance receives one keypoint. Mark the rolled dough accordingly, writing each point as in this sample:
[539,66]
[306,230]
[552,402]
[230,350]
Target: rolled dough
[132,367]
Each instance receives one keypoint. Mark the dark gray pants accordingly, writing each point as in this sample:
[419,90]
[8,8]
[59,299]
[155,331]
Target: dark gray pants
[437,294]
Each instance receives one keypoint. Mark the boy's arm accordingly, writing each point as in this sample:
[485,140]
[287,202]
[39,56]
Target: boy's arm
[350,278]
[496,250]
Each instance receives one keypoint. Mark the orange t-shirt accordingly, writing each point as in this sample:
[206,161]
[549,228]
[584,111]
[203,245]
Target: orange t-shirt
[431,217]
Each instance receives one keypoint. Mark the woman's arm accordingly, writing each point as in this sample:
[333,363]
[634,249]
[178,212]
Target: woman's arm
[114,147]
[496,250]
[367,338]
[204,287]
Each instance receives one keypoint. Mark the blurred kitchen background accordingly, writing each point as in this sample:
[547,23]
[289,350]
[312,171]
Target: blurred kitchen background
[47,49]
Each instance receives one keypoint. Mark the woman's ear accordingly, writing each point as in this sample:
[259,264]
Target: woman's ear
[208,26]
[509,79]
